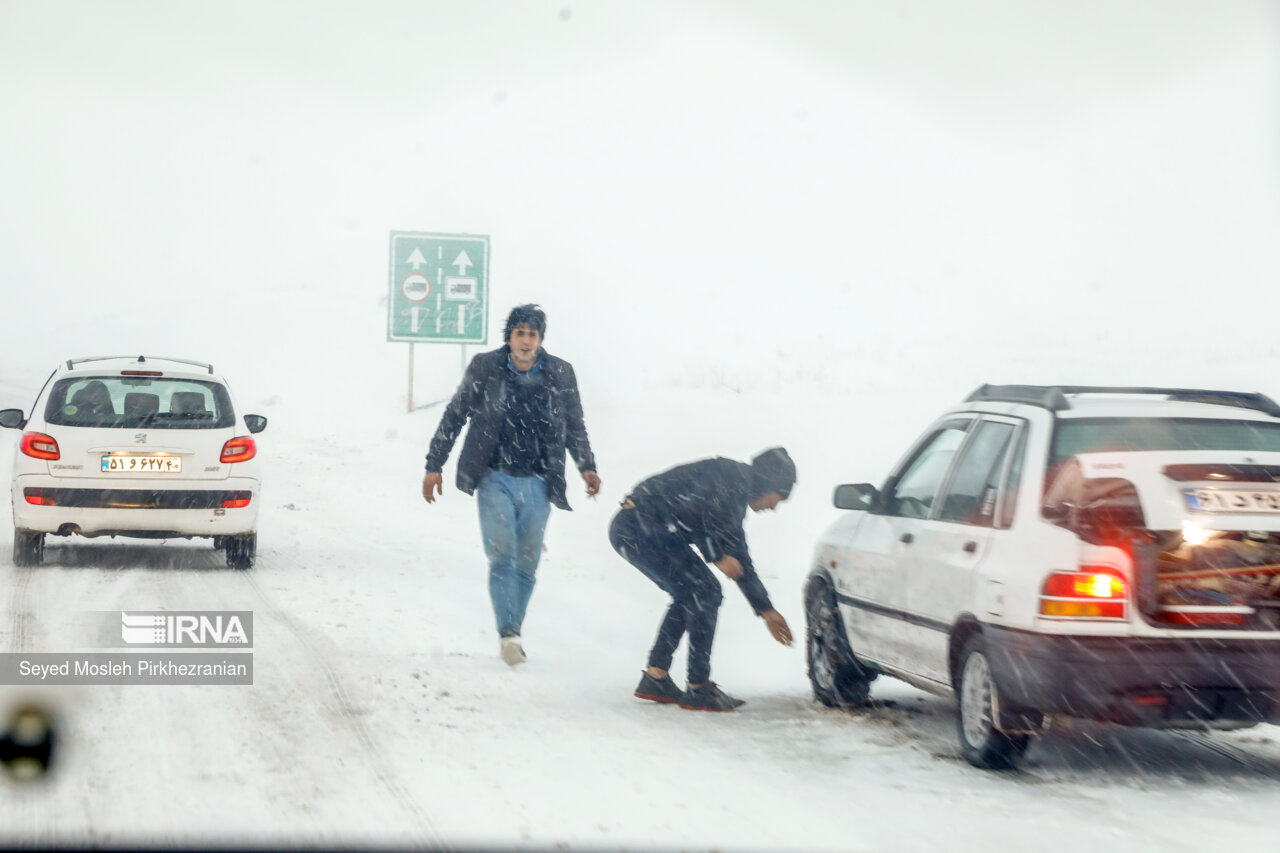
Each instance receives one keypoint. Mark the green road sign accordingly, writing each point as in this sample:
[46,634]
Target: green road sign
[439,289]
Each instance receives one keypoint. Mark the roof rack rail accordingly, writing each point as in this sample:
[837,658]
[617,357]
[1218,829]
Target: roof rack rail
[72,362]
[1045,396]
[1053,397]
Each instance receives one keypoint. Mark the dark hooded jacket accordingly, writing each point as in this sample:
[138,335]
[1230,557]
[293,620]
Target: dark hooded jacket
[704,503]
[485,397]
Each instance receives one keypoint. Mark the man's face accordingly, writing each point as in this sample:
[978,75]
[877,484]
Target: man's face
[524,343]
[768,500]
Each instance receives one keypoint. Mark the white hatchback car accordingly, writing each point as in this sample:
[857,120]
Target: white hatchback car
[153,448]
[1102,553]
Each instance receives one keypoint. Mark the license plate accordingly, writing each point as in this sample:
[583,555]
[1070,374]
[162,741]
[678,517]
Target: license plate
[152,463]
[1232,500]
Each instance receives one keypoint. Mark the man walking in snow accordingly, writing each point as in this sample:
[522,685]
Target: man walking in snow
[525,413]
[700,504]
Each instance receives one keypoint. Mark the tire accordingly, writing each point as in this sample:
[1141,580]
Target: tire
[977,697]
[28,548]
[241,550]
[838,680]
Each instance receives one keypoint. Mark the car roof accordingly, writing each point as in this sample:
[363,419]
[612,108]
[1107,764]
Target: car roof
[116,363]
[1097,406]
[1070,402]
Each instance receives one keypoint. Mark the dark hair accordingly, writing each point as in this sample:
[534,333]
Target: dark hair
[773,471]
[527,315]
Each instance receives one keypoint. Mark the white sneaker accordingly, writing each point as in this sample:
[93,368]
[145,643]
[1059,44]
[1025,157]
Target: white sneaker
[512,651]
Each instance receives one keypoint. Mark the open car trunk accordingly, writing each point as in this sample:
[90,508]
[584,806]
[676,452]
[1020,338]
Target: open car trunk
[1203,529]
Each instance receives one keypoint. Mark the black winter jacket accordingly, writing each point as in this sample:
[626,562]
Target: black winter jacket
[704,503]
[482,398]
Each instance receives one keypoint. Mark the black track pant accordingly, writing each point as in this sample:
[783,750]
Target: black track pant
[668,561]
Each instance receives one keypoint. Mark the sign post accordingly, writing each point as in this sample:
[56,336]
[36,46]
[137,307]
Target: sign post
[438,291]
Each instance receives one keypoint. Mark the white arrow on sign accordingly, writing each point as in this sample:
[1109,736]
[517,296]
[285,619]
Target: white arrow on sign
[416,259]
[462,262]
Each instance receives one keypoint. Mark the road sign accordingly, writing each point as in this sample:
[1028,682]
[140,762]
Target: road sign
[439,288]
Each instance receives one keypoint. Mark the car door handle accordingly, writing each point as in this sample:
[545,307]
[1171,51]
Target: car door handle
[970,547]
[907,538]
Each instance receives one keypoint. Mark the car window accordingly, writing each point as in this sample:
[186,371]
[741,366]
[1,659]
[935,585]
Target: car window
[151,402]
[1014,481]
[1090,435]
[971,496]
[915,489]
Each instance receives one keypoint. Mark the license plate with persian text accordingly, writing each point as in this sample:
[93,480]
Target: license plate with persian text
[1232,500]
[150,463]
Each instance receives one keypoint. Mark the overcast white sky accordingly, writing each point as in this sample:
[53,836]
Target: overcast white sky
[753,192]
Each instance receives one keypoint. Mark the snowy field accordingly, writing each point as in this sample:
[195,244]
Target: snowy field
[814,224]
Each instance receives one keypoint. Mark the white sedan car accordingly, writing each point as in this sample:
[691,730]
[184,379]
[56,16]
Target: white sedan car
[1103,553]
[153,448]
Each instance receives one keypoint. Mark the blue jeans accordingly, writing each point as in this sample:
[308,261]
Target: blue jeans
[513,518]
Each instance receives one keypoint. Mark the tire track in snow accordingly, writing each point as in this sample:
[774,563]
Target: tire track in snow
[28,821]
[36,817]
[374,755]
[1242,757]
[19,613]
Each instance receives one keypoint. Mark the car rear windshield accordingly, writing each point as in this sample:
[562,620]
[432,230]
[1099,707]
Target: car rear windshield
[1098,435]
[130,402]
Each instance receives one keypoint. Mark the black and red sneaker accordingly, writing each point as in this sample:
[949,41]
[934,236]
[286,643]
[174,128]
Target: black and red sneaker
[709,697]
[658,689]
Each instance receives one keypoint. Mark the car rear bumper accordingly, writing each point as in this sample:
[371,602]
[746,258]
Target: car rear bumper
[191,508]
[1156,682]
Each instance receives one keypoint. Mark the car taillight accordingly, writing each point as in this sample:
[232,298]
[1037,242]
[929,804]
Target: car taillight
[1094,592]
[240,449]
[237,500]
[39,497]
[37,445]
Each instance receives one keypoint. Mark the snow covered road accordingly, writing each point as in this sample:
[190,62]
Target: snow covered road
[381,714]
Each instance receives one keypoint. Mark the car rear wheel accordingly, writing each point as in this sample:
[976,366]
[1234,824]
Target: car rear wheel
[977,699]
[837,678]
[241,550]
[28,548]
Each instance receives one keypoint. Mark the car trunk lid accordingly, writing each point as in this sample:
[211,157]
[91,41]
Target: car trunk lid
[1202,528]
[131,455]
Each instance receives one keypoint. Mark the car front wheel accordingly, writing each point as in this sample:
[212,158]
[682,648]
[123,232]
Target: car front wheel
[977,699]
[28,548]
[837,678]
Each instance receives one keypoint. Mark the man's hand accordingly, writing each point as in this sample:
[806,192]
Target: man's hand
[777,626]
[730,566]
[432,485]
[593,483]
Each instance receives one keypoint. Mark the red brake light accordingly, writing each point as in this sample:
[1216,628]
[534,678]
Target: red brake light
[237,500]
[37,445]
[141,373]
[38,497]
[239,449]
[1085,585]
[1094,592]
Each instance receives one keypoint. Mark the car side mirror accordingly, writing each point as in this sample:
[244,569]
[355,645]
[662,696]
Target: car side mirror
[856,496]
[12,419]
[255,423]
